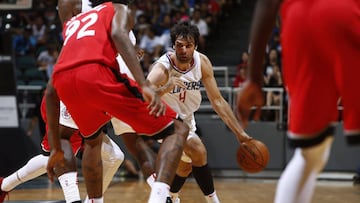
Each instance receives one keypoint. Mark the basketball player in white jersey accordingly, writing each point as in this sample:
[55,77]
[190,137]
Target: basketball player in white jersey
[177,75]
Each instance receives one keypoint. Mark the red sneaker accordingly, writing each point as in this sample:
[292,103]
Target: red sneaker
[3,194]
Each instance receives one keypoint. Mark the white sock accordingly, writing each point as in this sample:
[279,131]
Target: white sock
[159,192]
[96,200]
[151,179]
[69,185]
[35,167]
[212,198]
[297,182]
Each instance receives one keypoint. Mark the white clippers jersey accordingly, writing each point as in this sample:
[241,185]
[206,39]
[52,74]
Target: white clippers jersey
[184,101]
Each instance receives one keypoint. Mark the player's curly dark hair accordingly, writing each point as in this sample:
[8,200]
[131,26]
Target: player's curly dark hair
[184,29]
[98,2]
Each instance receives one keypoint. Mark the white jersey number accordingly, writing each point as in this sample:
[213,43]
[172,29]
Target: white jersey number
[83,25]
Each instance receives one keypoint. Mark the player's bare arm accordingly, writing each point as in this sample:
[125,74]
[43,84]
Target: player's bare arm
[217,101]
[162,81]
[251,93]
[52,113]
[260,33]
[120,36]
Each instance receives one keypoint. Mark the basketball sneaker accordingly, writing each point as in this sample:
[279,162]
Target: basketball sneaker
[3,194]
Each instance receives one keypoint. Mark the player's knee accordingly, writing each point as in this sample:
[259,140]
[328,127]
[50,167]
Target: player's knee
[196,150]
[184,169]
[111,153]
[117,157]
[42,159]
[317,156]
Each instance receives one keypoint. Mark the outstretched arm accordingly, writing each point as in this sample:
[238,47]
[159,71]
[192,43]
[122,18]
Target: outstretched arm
[162,80]
[263,22]
[217,101]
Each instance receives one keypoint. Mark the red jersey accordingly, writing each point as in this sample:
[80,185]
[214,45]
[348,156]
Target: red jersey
[86,79]
[88,29]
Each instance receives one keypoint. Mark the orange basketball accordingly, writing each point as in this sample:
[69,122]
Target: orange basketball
[252,156]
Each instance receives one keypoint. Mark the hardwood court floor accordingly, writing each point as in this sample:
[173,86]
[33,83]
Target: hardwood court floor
[229,191]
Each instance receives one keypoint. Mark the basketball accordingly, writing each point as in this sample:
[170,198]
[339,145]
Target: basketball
[252,156]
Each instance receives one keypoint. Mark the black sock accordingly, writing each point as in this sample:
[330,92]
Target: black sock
[77,202]
[177,184]
[204,179]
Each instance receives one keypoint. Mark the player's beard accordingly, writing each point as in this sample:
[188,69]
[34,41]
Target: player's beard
[184,58]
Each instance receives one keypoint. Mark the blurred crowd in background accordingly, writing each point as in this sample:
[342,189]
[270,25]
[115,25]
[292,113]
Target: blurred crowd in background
[37,32]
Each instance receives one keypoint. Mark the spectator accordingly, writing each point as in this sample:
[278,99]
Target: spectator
[151,43]
[155,14]
[241,70]
[164,30]
[273,98]
[203,29]
[141,25]
[180,15]
[22,42]
[39,30]
[210,11]
[47,59]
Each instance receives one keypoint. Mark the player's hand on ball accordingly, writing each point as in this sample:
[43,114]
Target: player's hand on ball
[252,156]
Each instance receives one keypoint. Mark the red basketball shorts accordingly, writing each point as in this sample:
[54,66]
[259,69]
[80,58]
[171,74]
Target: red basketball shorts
[321,49]
[93,95]
[75,141]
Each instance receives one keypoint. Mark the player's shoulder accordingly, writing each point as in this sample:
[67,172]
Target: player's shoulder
[201,55]
[205,61]
[206,66]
